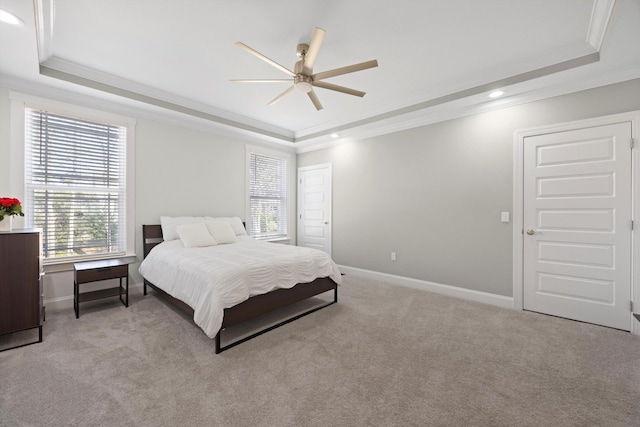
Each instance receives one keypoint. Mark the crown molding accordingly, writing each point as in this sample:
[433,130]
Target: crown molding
[457,110]
[465,93]
[44,14]
[86,97]
[600,16]
[452,103]
[78,74]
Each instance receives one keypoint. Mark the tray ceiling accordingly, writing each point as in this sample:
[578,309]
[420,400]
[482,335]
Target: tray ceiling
[437,59]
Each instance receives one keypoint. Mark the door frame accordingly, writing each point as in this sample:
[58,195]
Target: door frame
[518,201]
[328,166]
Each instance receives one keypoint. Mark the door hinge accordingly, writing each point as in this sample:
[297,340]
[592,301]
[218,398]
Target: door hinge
[631,306]
[632,143]
[631,225]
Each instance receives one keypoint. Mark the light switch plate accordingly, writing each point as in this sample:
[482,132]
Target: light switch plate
[505,217]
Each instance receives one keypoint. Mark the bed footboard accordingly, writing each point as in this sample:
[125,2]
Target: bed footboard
[261,304]
[274,300]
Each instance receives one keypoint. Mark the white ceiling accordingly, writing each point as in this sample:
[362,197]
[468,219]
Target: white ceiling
[437,59]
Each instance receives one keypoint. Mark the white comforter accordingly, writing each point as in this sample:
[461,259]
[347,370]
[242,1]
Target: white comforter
[213,278]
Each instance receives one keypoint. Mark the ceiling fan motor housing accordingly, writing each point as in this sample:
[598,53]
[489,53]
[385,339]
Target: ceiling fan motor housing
[301,82]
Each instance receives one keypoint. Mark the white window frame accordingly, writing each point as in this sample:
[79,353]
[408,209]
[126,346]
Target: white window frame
[253,149]
[19,102]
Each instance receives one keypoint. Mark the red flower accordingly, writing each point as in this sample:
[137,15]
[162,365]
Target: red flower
[10,206]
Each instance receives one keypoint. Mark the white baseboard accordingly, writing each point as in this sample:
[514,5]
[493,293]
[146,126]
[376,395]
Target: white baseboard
[66,302]
[60,303]
[453,291]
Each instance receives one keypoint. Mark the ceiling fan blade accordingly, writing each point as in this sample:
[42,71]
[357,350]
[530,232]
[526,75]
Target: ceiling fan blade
[337,88]
[314,98]
[265,59]
[314,48]
[282,95]
[345,70]
[261,81]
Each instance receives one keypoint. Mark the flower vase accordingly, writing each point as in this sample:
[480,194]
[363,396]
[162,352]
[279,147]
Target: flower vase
[5,223]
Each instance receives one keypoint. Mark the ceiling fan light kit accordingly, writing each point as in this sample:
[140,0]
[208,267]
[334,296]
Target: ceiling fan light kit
[303,83]
[303,78]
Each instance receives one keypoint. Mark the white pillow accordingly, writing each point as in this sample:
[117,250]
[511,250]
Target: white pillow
[195,235]
[169,225]
[236,224]
[221,231]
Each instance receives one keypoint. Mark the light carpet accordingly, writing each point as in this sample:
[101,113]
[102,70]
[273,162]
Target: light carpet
[385,355]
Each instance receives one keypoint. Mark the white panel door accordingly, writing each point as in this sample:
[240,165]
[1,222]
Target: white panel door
[314,207]
[577,224]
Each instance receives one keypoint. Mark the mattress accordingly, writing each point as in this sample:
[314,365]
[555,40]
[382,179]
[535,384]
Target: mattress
[210,279]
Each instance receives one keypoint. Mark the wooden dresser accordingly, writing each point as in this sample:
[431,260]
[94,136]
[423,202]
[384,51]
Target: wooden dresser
[21,293]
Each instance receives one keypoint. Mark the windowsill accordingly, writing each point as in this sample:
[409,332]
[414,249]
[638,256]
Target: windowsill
[57,266]
[281,240]
[286,240]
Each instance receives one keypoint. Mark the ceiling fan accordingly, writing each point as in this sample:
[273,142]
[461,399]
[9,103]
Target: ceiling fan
[302,76]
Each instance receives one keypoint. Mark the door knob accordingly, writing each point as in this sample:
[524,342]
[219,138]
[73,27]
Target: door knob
[326,222]
[530,232]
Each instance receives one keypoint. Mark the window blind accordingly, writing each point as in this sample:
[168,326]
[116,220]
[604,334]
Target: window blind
[267,196]
[75,184]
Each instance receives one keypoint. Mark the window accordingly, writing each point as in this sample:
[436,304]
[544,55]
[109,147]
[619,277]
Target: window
[268,204]
[76,185]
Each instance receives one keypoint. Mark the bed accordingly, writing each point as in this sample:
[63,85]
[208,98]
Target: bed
[183,282]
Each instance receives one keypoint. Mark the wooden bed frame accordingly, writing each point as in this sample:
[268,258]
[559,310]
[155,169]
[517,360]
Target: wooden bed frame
[254,306]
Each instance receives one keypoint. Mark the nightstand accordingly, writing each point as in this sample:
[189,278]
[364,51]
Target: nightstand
[93,271]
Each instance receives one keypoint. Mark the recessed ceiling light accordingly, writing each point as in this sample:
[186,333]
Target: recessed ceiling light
[496,94]
[10,18]
[335,135]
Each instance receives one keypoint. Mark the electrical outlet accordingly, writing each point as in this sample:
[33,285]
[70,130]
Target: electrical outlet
[393,256]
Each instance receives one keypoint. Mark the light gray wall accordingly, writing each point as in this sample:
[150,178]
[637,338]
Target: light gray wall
[185,172]
[434,194]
